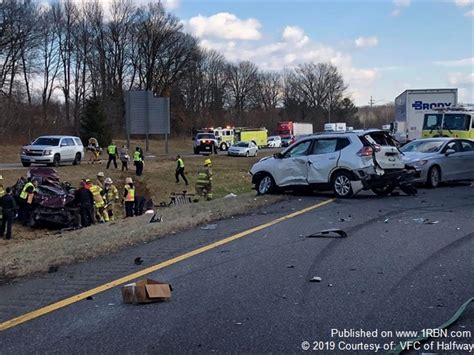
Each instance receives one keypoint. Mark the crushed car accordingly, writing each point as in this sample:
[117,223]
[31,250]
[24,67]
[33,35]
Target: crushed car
[53,202]
[344,162]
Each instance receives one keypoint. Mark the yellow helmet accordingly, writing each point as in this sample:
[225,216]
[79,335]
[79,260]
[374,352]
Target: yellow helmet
[207,162]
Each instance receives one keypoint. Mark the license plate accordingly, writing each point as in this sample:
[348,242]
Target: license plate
[207,148]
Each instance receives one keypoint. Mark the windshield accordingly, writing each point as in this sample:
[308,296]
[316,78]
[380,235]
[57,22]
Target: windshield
[205,136]
[457,121]
[242,144]
[421,146]
[432,121]
[46,141]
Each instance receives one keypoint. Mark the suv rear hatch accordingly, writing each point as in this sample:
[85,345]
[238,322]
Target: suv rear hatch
[386,154]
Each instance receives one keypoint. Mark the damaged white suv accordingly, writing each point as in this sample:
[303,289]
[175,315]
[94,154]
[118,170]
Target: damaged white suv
[343,162]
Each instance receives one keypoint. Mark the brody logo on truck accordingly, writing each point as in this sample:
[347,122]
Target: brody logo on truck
[420,105]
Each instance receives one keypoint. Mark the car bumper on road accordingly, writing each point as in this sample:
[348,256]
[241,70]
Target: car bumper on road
[237,154]
[373,180]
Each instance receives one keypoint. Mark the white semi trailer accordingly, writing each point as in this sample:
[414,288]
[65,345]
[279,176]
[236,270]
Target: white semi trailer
[411,105]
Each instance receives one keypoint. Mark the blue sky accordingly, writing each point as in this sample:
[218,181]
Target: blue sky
[381,47]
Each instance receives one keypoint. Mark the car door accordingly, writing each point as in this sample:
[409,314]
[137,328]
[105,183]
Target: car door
[291,168]
[467,159]
[452,164]
[323,158]
[67,149]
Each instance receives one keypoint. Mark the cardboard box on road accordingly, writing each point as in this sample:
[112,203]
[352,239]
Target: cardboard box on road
[146,291]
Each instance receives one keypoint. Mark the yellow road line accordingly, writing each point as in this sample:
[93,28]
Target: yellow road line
[76,298]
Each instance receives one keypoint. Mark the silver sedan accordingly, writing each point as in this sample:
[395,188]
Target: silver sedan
[440,159]
[243,149]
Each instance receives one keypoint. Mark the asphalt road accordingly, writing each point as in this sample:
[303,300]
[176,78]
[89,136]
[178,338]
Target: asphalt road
[392,273]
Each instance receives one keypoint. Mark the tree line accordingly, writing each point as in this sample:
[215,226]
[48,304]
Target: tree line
[56,59]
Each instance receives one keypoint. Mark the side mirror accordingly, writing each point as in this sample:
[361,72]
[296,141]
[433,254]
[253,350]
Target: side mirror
[449,152]
[278,156]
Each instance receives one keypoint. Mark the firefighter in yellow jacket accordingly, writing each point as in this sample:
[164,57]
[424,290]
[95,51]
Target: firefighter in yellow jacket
[111,196]
[99,204]
[204,180]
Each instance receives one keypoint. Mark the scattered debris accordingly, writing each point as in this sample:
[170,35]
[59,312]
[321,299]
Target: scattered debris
[111,304]
[290,266]
[330,285]
[53,268]
[89,298]
[329,233]
[386,220]
[156,219]
[424,221]
[315,279]
[225,251]
[238,323]
[146,291]
[209,227]
[138,261]
[231,195]
[419,220]
[431,222]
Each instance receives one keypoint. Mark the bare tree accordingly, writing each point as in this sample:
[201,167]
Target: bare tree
[269,90]
[242,86]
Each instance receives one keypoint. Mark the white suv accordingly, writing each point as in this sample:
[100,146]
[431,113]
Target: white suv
[53,150]
[343,162]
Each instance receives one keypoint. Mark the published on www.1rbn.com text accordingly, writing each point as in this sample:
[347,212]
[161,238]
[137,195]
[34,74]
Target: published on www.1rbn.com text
[361,340]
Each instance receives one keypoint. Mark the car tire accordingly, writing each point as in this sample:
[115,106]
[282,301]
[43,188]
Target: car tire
[25,164]
[434,177]
[56,160]
[256,152]
[383,191]
[223,147]
[341,185]
[247,154]
[77,159]
[196,151]
[265,185]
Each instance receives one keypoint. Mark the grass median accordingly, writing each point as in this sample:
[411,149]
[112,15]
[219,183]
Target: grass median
[35,250]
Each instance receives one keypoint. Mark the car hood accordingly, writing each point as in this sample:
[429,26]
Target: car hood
[264,164]
[410,157]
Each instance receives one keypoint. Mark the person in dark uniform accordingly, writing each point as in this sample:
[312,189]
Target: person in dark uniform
[8,204]
[85,200]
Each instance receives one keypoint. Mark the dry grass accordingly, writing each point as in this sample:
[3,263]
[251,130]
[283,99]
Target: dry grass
[31,250]
[21,259]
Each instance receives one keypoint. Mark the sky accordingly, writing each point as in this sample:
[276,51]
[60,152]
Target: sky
[381,47]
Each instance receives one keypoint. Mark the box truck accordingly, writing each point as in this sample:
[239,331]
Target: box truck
[411,106]
[286,128]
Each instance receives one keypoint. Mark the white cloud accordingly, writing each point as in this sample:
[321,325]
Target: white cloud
[399,4]
[366,42]
[396,12]
[463,3]
[461,79]
[402,3]
[171,4]
[457,62]
[295,34]
[469,13]
[224,25]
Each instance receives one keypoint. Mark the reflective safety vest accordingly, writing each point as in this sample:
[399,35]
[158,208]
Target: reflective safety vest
[112,194]
[98,200]
[180,163]
[130,193]
[24,193]
[136,156]
[204,177]
[112,149]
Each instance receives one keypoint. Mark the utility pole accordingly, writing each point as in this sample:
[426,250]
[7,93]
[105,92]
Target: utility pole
[371,104]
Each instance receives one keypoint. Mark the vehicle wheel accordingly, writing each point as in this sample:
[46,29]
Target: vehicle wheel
[434,177]
[383,191]
[265,185]
[56,160]
[341,185]
[196,151]
[25,164]
[255,153]
[223,147]
[247,154]
[77,159]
